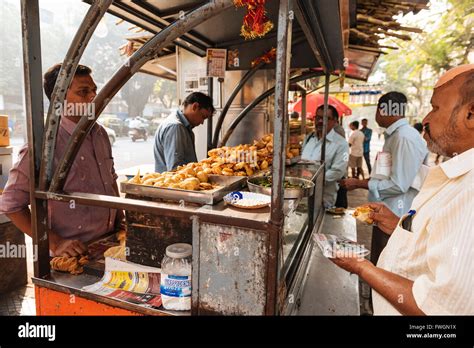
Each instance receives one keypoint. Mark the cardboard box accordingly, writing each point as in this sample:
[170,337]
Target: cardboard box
[4,132]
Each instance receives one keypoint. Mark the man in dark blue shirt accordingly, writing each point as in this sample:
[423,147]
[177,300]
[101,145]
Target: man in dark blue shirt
[174,138]
[368,136]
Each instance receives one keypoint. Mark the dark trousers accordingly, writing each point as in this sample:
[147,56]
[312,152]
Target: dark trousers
[341,200]
[367,161]
[379,241]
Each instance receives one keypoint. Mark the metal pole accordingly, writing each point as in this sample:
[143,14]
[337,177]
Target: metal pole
[30,26]
[303,113]
[258,100]
[325,117]
[210,92]
[65,76]
[147,52]
[282,72]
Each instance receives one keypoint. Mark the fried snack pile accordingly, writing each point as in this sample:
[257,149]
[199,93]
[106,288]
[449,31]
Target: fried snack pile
[241,160]
[362,214]
[293,150]
[189,177]
[72,265]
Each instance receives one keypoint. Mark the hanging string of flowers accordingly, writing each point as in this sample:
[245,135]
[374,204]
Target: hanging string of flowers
[256,23]
[267,57]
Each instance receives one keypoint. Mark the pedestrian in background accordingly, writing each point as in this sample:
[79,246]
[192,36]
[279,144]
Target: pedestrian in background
[368,137]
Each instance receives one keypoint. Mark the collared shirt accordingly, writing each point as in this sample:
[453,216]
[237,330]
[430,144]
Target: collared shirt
[408,152]
[174,143]
[368,136]
[337,156]
[340,130]
[92,172]
[438,253]
[357,142]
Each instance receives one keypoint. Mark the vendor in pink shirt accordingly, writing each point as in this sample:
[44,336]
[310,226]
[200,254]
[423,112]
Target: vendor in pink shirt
[71,226]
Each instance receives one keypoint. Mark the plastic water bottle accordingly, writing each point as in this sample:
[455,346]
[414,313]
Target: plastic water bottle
[175,285]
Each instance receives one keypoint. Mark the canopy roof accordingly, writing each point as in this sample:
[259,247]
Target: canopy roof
[344,28]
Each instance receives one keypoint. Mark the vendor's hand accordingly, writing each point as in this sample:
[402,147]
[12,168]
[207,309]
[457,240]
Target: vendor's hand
[350,184]
[68,247]
[351,264]
[385,219]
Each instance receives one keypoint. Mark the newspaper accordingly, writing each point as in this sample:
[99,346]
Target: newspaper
[129,282]
[333,246]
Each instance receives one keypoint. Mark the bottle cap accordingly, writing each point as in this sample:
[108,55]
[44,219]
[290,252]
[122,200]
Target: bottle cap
[179,250]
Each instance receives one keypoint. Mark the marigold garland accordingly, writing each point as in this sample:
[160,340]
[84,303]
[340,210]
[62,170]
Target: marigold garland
[256,23]
[267,57]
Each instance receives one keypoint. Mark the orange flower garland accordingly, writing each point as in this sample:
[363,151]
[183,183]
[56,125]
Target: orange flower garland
[256,23]
[267,57]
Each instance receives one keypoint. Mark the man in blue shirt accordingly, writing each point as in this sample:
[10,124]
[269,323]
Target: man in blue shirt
[174,138]
[368,136]
[408,152]
[337,153]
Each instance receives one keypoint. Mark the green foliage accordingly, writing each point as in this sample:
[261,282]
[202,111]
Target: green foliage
[165,91]
[445,43]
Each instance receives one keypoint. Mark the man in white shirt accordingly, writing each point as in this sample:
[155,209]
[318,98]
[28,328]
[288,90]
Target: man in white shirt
[337,153]
[356,142]
[427,265]
[407,151]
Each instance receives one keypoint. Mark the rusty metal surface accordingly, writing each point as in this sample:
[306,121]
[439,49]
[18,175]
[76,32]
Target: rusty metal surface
[232,270]
[325,117]
[148,236]
[65,76]
[226,184]
[133,64]
[209,121]
[219,213]
[34,126]
[303,113]
[280,132]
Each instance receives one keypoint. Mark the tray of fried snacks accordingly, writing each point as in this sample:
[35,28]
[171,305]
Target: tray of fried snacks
[240,160]
[188,183]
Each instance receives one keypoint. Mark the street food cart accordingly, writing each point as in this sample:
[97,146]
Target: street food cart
[243,262]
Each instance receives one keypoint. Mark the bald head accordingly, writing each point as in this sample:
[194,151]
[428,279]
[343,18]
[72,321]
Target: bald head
[452,74]
[449,127]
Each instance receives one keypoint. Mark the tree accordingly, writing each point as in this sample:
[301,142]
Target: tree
[137,92]
[446,43]
[165,92]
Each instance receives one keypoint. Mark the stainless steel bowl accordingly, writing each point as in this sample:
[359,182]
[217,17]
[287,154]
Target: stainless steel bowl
[253,184]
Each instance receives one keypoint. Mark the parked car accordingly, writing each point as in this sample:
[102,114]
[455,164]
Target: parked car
[115,123]
[111,134]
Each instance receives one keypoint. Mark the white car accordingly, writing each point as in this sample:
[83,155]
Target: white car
[110,134]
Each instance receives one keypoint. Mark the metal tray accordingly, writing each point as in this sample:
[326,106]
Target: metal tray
[227,184]
[289,193]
